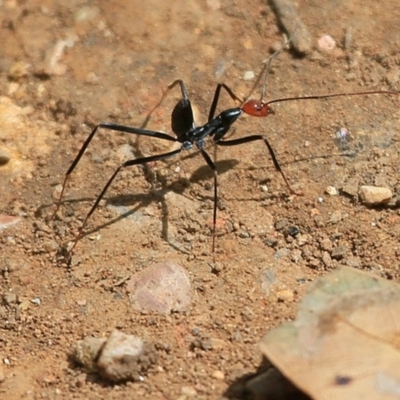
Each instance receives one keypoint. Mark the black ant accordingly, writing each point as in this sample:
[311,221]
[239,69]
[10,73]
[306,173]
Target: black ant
[189,135]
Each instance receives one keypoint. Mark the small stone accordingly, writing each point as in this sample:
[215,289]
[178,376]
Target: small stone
[219,375]
[51,246]
[5,156]
[248,75]
[18,70]
[326,259]
[293,231]
[268,278]
[282,253]
[188,391]
[353,262]
[10,298]
[36,301]
[162,288]
[326,43]
[87,351]
[285,295]
[125,357]
[374,195]
[281,224]
[351,187]
[331,190]
[336,217]
[339,252]
[303,239]
[24,305]
[326,244]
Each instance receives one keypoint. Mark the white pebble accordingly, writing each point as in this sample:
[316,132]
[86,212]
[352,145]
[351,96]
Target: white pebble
[248,75]
[326,43]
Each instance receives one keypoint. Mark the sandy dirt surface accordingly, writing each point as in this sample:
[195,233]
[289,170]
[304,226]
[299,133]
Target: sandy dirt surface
[65,68]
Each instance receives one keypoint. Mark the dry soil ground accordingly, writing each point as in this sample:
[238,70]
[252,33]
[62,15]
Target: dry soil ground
[66,66]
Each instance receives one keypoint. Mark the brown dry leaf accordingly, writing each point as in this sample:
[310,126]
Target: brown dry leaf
[345,341]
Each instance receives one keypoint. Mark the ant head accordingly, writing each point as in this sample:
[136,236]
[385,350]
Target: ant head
[257,108]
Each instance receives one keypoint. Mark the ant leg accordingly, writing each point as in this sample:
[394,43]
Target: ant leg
[164,95]
[217,92]
[211,164]
[128,163]
[252,138]
[182,119]
[112,127]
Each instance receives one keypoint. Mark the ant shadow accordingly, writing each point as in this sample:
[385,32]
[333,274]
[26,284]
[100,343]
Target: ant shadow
[142,200]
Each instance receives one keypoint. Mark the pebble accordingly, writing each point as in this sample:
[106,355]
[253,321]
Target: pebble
[125,357]
[18,71]
[374,195]
[354,262]
[336,217]
[248,75]
[303,239]
[326,43]
[10,298]
[87,351]
[218,375]
[331,190]
[119,358]
[285,295]
[293,231]
[351,187]
[24,305]
[281,224]
[338,252]
[326,259]
[5,156]
[161,288]
[36,301]
[51,246]
[281,253]
[268,278]
[326,244]
[188,391]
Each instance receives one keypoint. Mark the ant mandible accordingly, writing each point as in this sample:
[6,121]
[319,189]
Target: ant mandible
[189,135]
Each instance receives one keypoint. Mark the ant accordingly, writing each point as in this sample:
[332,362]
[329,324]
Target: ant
[189,135]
